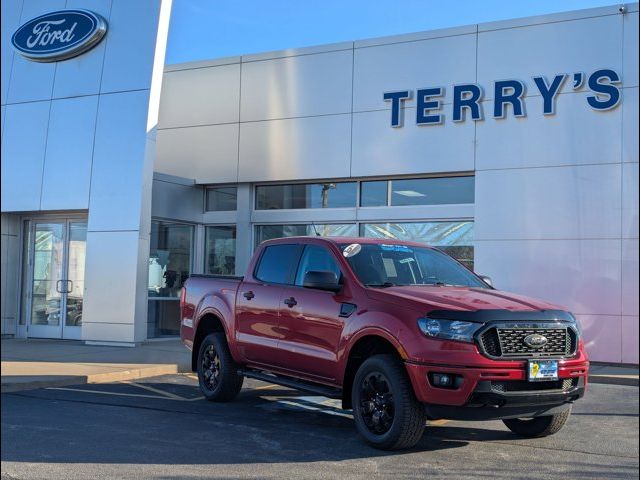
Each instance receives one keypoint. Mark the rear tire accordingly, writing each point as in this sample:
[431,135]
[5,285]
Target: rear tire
[217,372]
[538,426]
[385,408]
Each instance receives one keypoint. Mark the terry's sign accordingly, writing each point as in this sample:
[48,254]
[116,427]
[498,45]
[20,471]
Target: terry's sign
[59,35]
[507,95]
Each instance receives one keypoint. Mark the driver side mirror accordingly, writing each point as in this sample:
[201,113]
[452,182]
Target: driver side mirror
[486,280]
[321,280]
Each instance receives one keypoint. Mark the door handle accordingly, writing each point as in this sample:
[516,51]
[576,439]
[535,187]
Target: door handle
[248,295]
[291,302]
[58,286]
[69,286]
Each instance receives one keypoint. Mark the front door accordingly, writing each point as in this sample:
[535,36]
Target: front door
[310,319]
[56,278]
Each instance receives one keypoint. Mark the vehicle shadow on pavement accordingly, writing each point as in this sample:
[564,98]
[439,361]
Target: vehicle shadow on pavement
[109,424]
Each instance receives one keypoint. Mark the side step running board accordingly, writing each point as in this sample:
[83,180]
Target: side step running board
[295,383]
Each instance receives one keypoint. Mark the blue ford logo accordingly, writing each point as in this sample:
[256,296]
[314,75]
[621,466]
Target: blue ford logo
[59,35]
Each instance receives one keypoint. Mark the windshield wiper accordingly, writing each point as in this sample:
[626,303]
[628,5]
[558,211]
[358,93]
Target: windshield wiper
[380,285]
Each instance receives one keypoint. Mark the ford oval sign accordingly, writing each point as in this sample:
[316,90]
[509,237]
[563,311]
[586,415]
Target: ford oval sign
[59,35]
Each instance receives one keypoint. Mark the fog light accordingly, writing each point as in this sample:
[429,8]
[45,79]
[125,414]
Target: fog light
[445,380]
[441,380]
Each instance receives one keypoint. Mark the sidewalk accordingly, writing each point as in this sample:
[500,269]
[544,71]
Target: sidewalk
[613,375]
[28,364]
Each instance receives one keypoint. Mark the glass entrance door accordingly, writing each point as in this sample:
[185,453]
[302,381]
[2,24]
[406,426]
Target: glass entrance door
[57,256]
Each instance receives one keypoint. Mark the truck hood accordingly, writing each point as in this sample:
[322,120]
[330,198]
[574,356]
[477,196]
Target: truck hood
[463,299]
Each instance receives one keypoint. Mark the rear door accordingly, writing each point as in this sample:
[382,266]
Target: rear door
[310,319]
[258,304]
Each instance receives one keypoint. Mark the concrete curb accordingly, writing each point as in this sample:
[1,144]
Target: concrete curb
[16,384]
[630,381]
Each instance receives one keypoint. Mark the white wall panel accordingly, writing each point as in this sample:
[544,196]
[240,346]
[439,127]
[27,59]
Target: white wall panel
[630,50]
[602,336]
[23,146]
[176,201]
[630,283]
[69,152]
[32,81]
[630,194]
[207,154]
[548,49]
[539,203]
[582,275]
[577,134]
[439,62]
[379,149]
[82,75]
[117,174]
[630,125]
[313,147]
[630,335]
[201,96]
[9,21]
[130,48]
[297,86]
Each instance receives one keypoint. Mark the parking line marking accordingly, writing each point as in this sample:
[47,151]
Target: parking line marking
[266,387]
[438,423]
[107,393]
[155,390]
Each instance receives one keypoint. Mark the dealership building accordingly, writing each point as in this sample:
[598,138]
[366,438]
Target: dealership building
[512,145]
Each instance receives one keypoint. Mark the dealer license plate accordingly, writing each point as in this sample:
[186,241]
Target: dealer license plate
[543,370]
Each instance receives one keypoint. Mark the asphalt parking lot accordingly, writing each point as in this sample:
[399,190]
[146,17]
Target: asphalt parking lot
[161,428]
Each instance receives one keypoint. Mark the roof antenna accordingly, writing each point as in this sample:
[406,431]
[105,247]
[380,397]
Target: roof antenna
[315,229]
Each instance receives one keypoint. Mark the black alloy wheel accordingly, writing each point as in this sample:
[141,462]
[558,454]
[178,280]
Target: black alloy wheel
[376,404]
[211,368]
[385,409]
[217,371]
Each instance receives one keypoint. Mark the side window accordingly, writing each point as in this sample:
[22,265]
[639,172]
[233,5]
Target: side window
[278,264]
[316,258]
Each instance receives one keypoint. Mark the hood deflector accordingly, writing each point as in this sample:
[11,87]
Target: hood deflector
[483,316]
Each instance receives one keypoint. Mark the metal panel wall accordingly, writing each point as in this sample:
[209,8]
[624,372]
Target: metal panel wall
[81,142]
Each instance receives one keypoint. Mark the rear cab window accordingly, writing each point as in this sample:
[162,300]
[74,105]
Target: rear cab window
[278,264]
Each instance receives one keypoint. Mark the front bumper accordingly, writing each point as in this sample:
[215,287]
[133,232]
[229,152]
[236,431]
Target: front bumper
[487,404]
[477,391]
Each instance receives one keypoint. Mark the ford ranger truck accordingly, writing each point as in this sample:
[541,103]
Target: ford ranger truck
[399,331]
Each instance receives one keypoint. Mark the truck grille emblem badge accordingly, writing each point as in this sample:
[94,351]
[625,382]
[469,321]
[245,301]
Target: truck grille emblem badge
[535,340]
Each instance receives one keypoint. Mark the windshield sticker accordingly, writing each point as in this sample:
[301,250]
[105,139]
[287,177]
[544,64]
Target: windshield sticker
[396,248]
[352,250]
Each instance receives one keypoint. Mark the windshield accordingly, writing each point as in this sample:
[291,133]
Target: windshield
[387,265]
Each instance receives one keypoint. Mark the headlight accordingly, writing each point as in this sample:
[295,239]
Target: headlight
[448,329]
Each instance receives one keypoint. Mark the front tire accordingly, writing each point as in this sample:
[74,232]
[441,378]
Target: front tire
[385,408]
[217,372]
[538,426]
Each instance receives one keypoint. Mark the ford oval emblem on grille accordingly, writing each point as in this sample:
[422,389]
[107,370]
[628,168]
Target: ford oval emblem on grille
[535,340]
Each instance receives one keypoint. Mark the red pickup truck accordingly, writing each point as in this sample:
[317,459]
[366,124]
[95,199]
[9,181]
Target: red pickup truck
[399,331]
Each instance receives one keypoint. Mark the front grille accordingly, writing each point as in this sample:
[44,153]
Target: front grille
[506,342]
[524,386]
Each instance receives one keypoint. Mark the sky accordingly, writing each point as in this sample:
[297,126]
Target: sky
[206,29]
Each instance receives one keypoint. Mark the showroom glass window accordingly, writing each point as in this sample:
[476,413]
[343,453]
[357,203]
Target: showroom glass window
[418,191]
[267,232]
[306,195]
[170,254]
[220,250]
[453,238]
[221,199]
